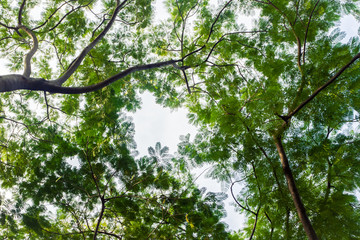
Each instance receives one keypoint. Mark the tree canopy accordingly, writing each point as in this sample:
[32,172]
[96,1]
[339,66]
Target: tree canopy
[271,85]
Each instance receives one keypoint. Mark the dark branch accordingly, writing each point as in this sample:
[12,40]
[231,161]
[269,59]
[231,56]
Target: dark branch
[255,223]
[87,49]
[216,19]
[13,82]
[27,59]
[20,12]
[324,86]
[307,29]
[100,218]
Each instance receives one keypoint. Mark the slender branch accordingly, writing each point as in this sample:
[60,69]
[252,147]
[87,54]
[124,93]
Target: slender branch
[93,177]
[73,67]
[255,223]
[186,81]
[298,41]
[237,202]
[73,213]
[307,29]
[8,27]
[210,33]
[312,96]
[216,19]
[110,234]
[20,12]
[183,29]
[56,10]
[271,224]
[100,218]
[47,106]
[27,59]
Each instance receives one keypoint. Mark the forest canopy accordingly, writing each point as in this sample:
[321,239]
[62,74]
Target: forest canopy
[271,85]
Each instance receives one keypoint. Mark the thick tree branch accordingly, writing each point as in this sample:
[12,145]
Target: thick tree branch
[76,63]
[27,59]
[14,82]
[20,12]
[310,232]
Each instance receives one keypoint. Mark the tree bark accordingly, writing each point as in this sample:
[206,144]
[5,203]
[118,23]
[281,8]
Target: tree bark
[14,82]
[309,230]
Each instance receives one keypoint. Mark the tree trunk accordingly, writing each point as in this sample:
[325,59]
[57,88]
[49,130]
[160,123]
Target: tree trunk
[310,232]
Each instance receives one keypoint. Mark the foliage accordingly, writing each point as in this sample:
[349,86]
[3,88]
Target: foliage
[276,99]
[72,180]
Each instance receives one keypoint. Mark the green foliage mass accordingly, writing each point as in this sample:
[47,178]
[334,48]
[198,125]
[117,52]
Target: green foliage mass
[271,84]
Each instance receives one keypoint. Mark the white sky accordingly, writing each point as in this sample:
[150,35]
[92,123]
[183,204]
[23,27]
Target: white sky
[153,123]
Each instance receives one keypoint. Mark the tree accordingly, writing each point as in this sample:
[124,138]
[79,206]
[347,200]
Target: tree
[106,193]
[82,166]
[284,89]
[69,160]
[285,86]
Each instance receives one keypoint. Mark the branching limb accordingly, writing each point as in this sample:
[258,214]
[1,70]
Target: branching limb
[27,59]
[7,26]
[20,12]
[236,201]
[333,79]
[307,29]
[73,67]
[271,224]
[14,82]
[100,218]
[56,10]
[216,19]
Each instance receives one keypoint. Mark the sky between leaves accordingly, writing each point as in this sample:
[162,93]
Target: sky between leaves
[154,123]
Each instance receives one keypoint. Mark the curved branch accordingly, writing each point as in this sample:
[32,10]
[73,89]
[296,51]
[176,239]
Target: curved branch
[6,26]
[13,82]
[255,223]
[27,59]
[59,22]
[216,19]
[51,15]
[76,63]
[236,201]
[20,12]
[186,81]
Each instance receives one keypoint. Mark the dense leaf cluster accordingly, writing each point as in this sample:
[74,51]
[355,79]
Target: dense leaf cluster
[272,85]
